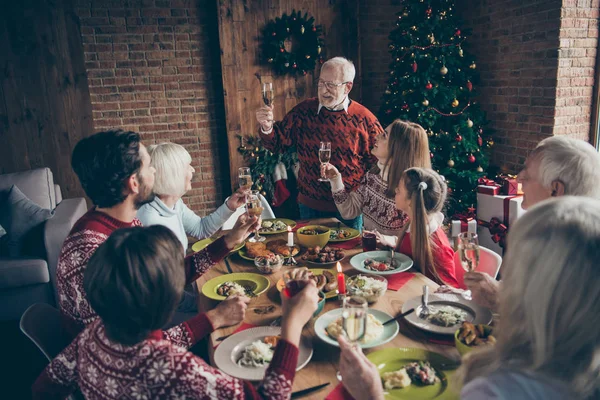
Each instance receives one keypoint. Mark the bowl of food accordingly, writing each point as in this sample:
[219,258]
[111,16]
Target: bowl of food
[369,287]
[313,235]
[268,264]
[321,257]
[471,336]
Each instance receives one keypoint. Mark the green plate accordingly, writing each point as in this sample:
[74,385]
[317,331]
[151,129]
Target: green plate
[242,252]
[317,271]
[288,222]
[392,359]
[353,234]
[259,283]
[201,244]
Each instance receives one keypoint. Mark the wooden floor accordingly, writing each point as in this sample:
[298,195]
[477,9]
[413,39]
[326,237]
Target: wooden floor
[20,362]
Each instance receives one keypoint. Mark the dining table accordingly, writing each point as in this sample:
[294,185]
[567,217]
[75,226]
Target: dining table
[322,368]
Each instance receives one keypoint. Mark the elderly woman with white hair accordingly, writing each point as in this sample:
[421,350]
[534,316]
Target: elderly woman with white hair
[172,180]
[548,341]
[558,166]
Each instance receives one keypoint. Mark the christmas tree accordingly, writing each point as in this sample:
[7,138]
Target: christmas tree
[432,82]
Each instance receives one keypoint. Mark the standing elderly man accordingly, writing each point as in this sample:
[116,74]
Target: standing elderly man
[558,166]
[334,118]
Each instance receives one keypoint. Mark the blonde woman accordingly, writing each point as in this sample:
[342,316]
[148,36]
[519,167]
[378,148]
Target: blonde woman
[401,146]
[172,180]
[548,341]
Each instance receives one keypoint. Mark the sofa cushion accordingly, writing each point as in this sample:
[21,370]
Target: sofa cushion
[36,184]
[22,220]
[22,272]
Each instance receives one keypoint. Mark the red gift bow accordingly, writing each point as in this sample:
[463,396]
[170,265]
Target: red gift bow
[464,218]
[486,182]
[497,229]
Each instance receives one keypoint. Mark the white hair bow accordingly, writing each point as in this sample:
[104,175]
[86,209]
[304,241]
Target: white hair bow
[422,186]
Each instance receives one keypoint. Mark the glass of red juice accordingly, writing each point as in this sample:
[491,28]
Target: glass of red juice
[369,241]
[292,286]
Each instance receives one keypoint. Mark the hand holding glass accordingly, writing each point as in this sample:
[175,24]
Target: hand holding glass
[254,208]
[245,178]
[324,157]
[468,250]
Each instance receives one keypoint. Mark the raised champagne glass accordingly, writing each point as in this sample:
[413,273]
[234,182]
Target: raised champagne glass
[267,92]
[254,208]
[324,157]
[245,178]
[468,251]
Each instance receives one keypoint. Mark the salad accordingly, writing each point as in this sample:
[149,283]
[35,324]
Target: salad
[379,266]
[273,226]
[256,354]
[448,316]
[339,234]
[367,287]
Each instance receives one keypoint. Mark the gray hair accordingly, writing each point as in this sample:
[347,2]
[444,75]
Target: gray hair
[171,161]
[573,162]
[549,318]
[347,66]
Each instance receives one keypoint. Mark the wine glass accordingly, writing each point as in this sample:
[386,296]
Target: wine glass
[468,250]
[254,207]
[354,321]
[267,92]
[245,178]
[324,157]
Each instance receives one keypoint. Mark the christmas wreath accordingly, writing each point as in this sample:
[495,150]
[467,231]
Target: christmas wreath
[292,44]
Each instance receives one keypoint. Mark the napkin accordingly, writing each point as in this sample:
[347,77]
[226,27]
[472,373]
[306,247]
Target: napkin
[396,281]
[348,245]
[240,328]
[339,393]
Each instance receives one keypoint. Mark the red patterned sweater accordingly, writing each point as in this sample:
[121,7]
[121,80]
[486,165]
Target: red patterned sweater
[153,369]
[352,136]
[88,233]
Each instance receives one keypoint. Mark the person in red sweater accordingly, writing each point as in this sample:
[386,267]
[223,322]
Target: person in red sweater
[332,117]
[115,172]
[422,194]
[134,281]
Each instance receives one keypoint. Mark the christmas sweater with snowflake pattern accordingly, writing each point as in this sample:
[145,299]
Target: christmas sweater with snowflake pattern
[88,233]
[352,136]
[153,369]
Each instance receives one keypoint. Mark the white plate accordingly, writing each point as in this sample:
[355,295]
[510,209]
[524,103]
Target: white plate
[475,313]
[404,262]
[389,331]
[231,349]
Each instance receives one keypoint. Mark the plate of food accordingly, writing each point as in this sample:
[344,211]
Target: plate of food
[202,244]
[414,373]
[379,262]
[449,312]
[274,226]
[342,234]
[329,326]
[266,249]
[471,336]
[322,257]
[247,354]
[324,279]
[239,283]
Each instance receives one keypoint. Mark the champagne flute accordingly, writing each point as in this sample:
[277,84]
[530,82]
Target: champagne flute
[468,250]
[354,321]
[254,207]
[324,157]
[267,92]
[245,178]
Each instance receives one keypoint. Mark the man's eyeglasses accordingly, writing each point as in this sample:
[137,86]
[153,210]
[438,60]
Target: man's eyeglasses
[330,85]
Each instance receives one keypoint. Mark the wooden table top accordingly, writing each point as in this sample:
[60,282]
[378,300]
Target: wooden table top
[323,365]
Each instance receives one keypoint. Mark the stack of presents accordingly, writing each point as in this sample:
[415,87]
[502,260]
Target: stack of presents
[498,207]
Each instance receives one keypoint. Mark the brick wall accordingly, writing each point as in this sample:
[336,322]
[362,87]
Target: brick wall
[154,67]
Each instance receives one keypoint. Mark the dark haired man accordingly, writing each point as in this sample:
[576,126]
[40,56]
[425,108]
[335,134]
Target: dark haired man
[114,170]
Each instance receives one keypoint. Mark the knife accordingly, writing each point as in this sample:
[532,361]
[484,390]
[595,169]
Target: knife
[309,390]
[389,321]
[227,265]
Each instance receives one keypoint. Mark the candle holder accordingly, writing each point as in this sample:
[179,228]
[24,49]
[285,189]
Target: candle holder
[341,296]
[290,260]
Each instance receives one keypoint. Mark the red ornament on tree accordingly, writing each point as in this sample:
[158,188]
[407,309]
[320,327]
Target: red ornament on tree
[430,155]
[274,34]
[480,131]
[314,28]
[479,140]
[471,158]
[428,86]
[414,66]
[428,11]
[294,65]
[457,33]
[469,86]
[388,111]
[405,106]
[281,50]
[458,138]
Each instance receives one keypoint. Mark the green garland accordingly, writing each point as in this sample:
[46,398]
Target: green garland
[307,44]
[262,163]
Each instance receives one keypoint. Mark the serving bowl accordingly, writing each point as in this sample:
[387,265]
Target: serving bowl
[319,239]
[268,265]
[370,296]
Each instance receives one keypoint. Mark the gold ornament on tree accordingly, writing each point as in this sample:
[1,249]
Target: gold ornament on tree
[455,103]
[479,169]
[469,123]
[473,65]
[443,70]
[451,163]
[425,102]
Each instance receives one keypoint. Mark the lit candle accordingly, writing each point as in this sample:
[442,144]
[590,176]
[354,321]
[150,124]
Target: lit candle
[290,242]
[341,280]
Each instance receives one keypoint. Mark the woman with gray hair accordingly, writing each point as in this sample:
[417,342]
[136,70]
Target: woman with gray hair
[172,180]
[548,341]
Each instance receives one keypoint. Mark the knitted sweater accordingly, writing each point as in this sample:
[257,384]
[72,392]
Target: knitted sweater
[153,369]
[369,199]
[352,136]
[88,233]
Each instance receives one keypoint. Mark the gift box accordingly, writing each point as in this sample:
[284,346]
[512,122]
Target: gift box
[487,186]
[459,226]
[495,215]
[510,186]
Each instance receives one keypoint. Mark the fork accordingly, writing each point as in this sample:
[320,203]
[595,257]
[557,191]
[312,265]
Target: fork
[392,261]
[425,310]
